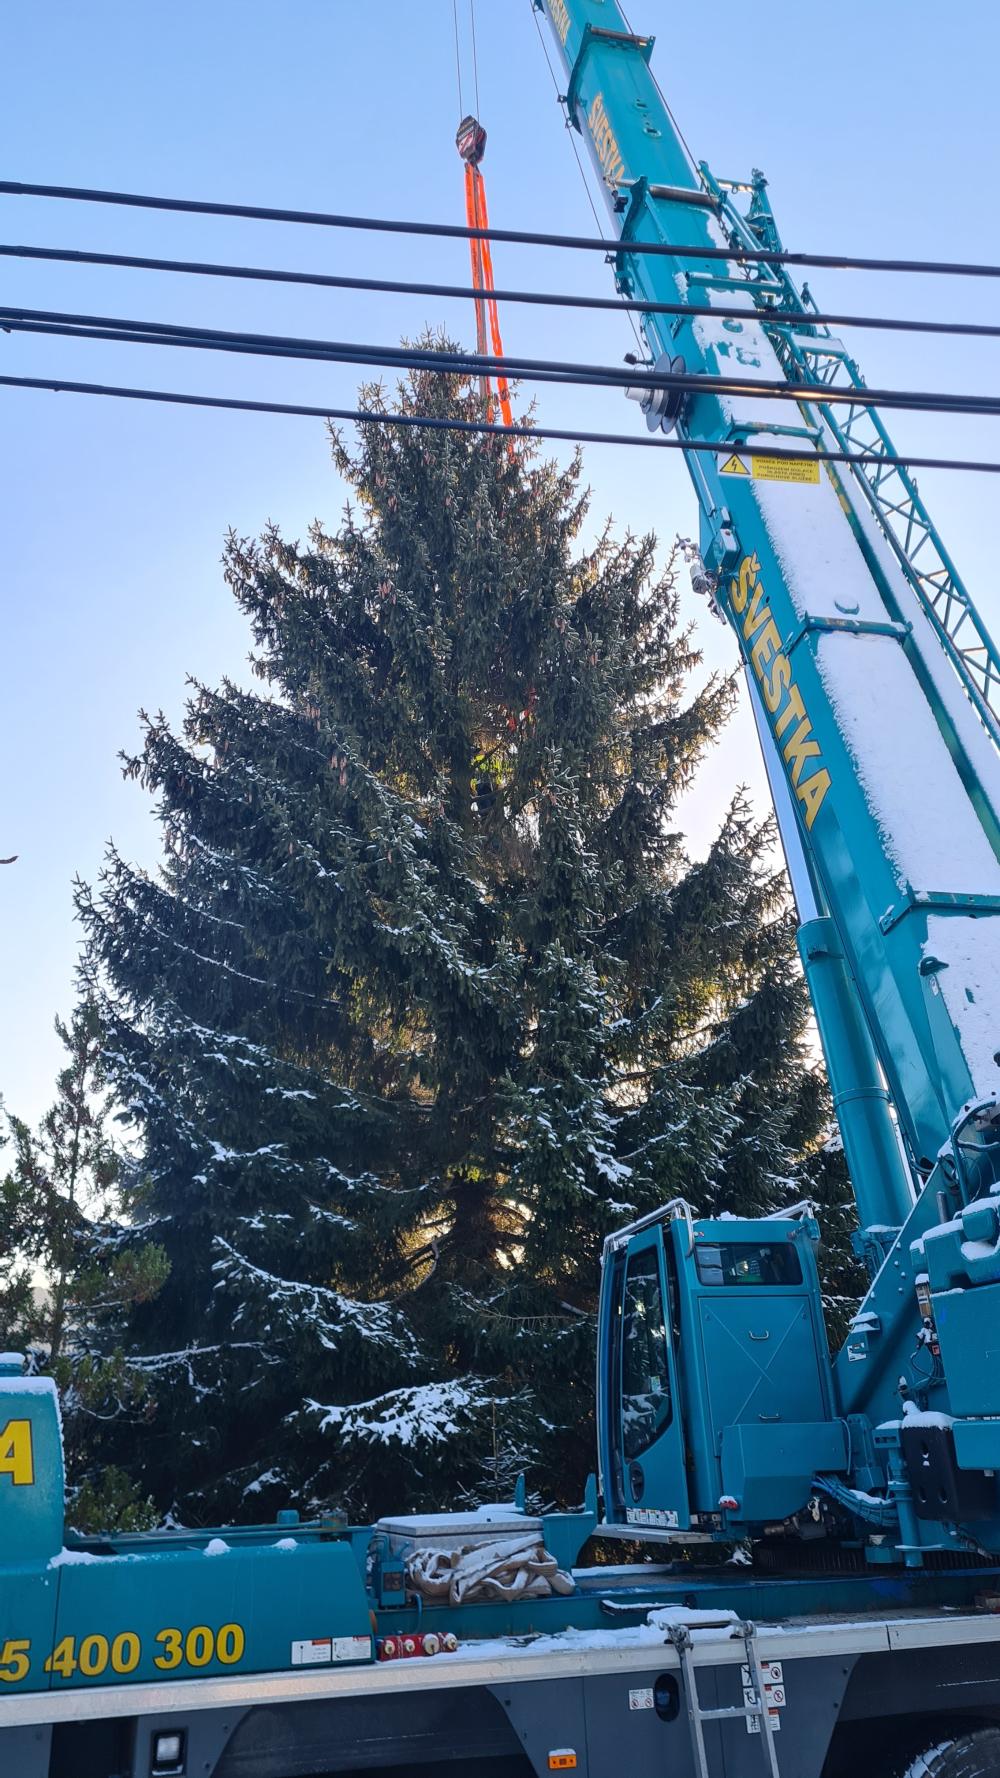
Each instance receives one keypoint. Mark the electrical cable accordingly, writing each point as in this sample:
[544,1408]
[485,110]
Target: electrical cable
[513,236]
[431,423]
[477,364]
[545,298]
[122,331]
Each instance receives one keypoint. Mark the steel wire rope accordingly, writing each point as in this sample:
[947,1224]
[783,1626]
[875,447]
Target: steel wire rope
[432,423]
[598,223]
[458,62]
[546,298]
[127,331]
[475,57]
[513,236]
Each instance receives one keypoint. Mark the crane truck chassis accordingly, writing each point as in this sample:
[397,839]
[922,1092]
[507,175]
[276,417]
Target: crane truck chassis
[858,1635]
[864,1696]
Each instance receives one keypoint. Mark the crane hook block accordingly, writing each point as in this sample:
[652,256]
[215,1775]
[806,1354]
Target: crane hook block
[470,140]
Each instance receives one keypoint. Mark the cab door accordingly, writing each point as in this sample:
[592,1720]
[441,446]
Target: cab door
[757,1310]
[648,1474]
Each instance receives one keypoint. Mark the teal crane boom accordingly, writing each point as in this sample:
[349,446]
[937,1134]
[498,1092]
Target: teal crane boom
[873,682]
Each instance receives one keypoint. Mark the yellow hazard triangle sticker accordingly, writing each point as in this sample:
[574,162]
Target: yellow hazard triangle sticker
[734,466]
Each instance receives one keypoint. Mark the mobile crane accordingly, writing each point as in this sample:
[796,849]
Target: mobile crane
[880,742]
[867,1487]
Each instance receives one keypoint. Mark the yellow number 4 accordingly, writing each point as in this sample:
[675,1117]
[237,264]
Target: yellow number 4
[16,1457]
[63,1658]
[14,1661]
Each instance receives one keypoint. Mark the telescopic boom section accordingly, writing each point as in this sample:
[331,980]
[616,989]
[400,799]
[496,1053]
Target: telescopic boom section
[894,782]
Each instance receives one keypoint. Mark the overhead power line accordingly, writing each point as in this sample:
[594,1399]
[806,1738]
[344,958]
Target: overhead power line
[545,298]
[513,236]
[431,423]
[156,333]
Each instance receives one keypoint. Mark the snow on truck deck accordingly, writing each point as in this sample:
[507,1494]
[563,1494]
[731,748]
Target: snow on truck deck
[806,1637]
[571,1654]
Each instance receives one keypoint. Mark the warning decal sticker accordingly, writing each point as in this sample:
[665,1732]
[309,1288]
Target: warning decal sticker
[785,469]
[774,1694]
[313,1653]
[324,1650]
[773,469]
[350,1648]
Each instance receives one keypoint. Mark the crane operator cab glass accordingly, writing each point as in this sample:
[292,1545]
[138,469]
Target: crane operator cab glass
[714,1395]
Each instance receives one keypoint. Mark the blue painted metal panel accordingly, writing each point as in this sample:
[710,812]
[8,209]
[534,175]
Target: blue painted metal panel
[32,1477]
[760,1356]
[28,1595]
[194,1613]
[769,1470]
[968,1326]
[87,1619]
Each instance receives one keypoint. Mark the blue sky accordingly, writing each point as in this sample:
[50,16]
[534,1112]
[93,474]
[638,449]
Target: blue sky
[874,123]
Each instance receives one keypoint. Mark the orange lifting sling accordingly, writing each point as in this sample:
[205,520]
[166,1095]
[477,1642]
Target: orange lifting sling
[471,144]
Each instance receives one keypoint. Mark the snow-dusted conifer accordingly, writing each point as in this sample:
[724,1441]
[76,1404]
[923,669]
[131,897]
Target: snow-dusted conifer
[428,996]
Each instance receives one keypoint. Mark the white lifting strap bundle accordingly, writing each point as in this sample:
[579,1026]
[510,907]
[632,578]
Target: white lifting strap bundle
[509,1568]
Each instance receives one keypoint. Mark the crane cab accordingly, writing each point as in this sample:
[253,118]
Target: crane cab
[715,1404]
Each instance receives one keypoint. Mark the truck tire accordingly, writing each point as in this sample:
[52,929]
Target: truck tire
[976,1755]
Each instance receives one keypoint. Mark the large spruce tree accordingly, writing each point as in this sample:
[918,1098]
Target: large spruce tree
[428,995]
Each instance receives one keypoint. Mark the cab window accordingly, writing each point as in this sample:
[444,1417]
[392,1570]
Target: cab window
[646,1403]
[735,1263]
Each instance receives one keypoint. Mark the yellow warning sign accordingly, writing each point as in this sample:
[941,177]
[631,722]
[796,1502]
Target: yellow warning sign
[785,469]
[772,469]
